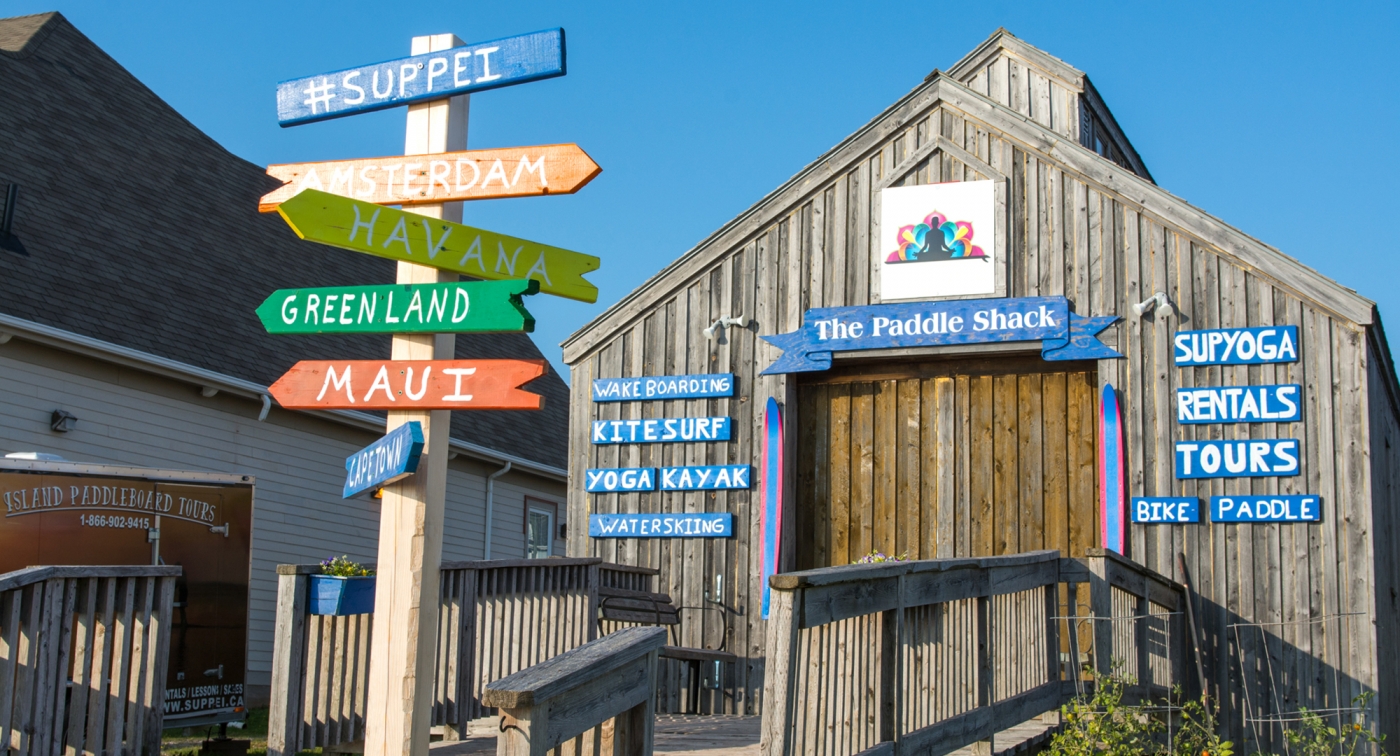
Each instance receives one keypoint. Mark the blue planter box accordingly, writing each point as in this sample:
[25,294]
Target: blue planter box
[341,596]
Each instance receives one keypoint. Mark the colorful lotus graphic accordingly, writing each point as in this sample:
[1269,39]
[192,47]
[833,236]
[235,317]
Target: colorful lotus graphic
[935,240]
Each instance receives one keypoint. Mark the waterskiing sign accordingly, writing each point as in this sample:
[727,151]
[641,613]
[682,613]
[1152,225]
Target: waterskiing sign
[440,177]
[390,459]
[467,307]
[431,76]
[408,385]
[399,235]
[1064,335]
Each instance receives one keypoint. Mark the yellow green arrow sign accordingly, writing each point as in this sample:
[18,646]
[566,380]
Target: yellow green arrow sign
[383,231]
[475,307]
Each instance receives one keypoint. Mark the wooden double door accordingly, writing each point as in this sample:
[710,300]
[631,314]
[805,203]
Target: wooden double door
[946,458]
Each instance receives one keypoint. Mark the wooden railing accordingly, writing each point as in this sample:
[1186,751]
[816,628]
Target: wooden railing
[495,618]
[930,656]
[559,700]
[83,659]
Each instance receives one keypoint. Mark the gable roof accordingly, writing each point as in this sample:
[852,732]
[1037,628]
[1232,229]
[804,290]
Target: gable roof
[141,231]
[1266,261]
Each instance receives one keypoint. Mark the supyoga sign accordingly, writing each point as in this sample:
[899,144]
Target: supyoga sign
[431,76]
[1064,335]
[1236,346]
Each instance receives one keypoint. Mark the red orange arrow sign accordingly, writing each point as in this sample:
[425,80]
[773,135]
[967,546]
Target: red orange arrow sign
[409,384]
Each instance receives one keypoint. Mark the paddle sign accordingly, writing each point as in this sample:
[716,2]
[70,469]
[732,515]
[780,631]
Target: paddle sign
[771,518]
[468,307]
[440,177]
[1112,492]
[431,76]
[399,235]
[388,460]
[409,385]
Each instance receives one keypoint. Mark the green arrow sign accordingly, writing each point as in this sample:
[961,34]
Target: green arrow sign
[475,307]
[398,235]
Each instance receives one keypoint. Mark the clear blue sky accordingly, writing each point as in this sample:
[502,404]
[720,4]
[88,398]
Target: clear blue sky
[1278,118]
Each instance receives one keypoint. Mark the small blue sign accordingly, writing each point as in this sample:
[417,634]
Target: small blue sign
[1165,509]
[616,479]
[1282,508]
[1237,459]
[391,458]
[431,76]
[706,478]
[1063,335]
[1237,346]
[1239,404]
[663,387]
[696,525]
[661,430]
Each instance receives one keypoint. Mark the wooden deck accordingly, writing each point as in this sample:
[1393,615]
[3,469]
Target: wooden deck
[705,735]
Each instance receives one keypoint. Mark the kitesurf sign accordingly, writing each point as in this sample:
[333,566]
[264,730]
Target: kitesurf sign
[1064,335]
[399,235]
[408,385]
[466,307]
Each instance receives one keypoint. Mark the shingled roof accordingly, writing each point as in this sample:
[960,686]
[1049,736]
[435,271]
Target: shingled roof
[140,230]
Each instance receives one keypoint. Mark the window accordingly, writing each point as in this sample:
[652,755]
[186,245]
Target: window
[539,528]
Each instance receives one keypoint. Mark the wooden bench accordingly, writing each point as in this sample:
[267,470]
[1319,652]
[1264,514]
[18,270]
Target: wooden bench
[647,608]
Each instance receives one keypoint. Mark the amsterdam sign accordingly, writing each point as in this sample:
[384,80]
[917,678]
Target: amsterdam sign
[468,307]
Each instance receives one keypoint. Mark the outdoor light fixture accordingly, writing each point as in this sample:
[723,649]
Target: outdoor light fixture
[1164,307]
[718,325]
[62,421]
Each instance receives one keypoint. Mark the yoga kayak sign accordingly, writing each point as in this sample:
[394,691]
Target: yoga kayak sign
[1064,335]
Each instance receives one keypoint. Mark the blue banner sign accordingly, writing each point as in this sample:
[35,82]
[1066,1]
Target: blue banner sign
[661,430]
[431,76]
[1166,509]
[391,458]
[1063,334]
[619,479]
[1237,459]
[705,478]
[696,525]
[1239,404]
[1237,346]
[663,387]
[1266,508]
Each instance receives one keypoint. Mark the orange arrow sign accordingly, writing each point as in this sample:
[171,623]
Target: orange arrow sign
[443,177]
[409,384]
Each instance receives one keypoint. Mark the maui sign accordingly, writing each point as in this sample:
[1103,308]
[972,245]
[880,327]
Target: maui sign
[408,385]
[696,525]
[1064,335]
[440,177]
[1239,404]
[646,388]
[390,459]
[471,307]
[432,76]
[399,235]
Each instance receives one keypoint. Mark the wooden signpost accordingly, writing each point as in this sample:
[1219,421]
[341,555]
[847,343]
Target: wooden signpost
[416,180]
[408,237]
[468,307]
[430,75]
[409,385]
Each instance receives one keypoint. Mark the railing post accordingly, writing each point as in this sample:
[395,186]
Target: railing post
[591,621]
[1144,661]
[634,729]
[1101,610]
[288,662]
[985,693]
[783,612]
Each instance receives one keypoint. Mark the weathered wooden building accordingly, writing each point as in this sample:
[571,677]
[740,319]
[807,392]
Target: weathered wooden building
[991,448]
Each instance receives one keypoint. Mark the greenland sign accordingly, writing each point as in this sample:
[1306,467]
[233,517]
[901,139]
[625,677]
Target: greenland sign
[431,76]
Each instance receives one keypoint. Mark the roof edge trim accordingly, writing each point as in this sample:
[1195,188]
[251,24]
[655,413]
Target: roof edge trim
[186,373]
[1001,39]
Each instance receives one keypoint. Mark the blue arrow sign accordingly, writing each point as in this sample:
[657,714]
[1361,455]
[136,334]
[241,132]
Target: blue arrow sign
[1064,335]
[697,525]
[432,76]
[391,458]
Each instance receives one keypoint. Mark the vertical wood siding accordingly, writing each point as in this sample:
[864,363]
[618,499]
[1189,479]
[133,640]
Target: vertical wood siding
[1071,236]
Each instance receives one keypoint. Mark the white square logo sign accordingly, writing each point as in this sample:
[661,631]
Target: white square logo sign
[937,240]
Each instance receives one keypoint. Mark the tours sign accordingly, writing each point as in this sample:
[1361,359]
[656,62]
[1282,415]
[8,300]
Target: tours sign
[431,76]
[390,459]
[400,235]
[466,307]
[409,385]
[440,177]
